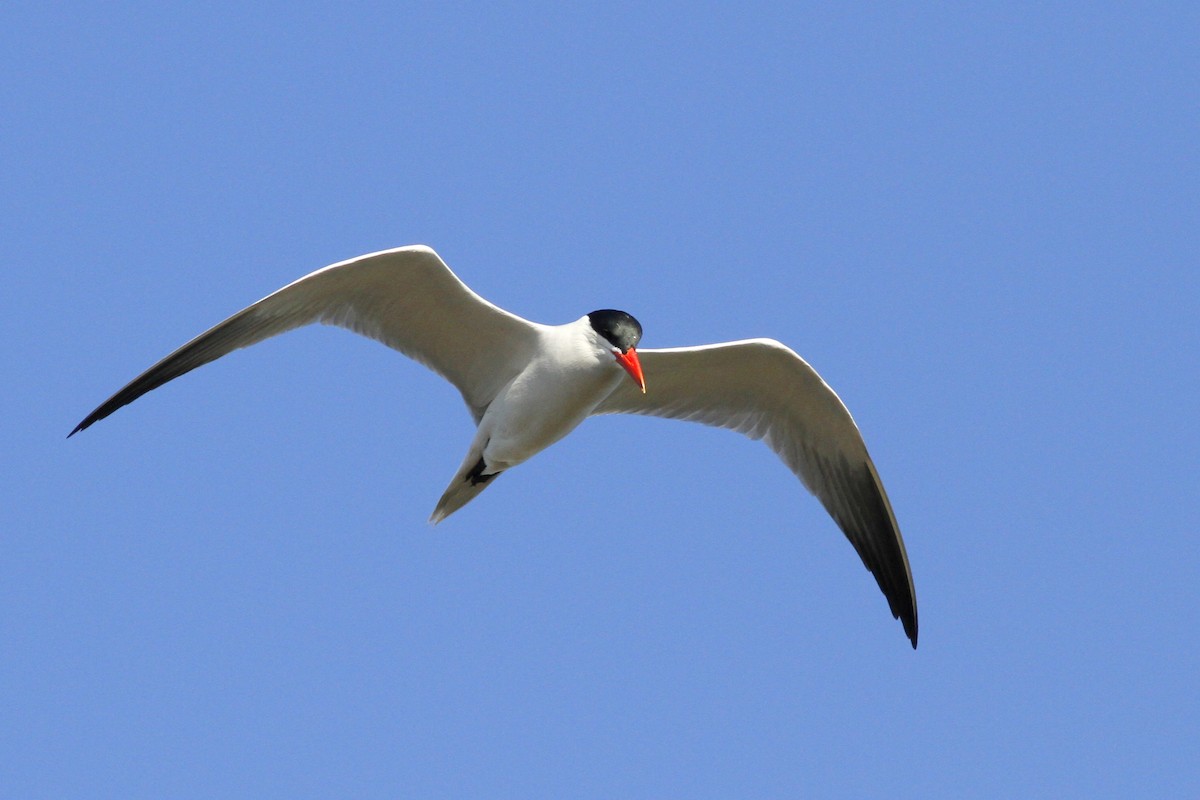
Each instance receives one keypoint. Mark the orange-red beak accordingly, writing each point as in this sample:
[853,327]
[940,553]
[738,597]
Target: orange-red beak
[631,364]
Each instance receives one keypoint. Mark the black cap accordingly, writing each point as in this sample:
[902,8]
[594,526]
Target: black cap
[619,328]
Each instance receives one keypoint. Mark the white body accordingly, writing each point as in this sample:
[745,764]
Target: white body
[570,374]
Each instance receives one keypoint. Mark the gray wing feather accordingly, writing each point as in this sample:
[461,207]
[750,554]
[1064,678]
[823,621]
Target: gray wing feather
[406,298]
[762,389]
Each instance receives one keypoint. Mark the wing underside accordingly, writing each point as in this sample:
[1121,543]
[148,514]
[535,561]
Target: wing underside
[762,389]
[406,298]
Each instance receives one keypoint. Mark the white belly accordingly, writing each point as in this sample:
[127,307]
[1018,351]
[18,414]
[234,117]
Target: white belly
[541,406]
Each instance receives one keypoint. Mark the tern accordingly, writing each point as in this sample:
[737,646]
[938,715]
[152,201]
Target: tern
[527,385]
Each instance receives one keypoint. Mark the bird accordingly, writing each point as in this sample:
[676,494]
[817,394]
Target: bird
[527,385]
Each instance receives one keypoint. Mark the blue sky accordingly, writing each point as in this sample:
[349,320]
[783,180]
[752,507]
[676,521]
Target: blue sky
[979,226]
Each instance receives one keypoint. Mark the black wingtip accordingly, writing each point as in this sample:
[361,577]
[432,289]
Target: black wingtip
[87,421]
[909,621]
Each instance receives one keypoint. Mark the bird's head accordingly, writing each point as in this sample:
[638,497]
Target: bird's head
[621,332]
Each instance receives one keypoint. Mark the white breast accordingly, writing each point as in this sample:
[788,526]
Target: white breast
[560,387]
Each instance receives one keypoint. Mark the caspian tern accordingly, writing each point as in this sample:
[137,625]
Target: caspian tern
[527,385]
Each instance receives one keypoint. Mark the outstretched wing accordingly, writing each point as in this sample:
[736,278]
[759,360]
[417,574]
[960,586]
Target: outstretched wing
[762,389]
[406,298]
